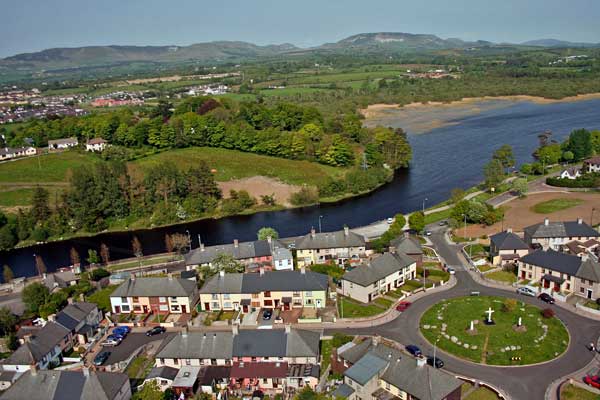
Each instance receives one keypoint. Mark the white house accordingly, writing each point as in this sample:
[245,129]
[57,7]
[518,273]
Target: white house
[335,247]
[592,164]
[570,173]
[282,259]
[96,145]
[10,152]
[553,235]
[62,144]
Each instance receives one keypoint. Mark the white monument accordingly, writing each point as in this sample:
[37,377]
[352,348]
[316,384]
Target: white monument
[520,322]
[489,312]
[472,326]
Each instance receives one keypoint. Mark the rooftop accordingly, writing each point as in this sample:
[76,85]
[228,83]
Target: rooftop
[407,245]
[330,240]
[508,241]
[378,268]
[268,281]
[239,251]
[152,287]
[549,229]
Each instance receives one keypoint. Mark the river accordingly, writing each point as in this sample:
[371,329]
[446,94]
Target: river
[444,158]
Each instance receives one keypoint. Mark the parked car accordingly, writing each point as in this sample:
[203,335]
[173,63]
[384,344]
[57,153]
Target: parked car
[545,297]
[110,342]
[427,233]
[403,305]
[116,336]
[121,330]
[101,358]
[157,330]
[443,223]
[267,314]
[450,270]
[390,221]
[414,350]
[592,380]
[526,291]
[435,362]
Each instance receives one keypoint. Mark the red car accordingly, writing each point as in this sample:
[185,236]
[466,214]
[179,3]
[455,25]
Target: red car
[403,305]
[592,380]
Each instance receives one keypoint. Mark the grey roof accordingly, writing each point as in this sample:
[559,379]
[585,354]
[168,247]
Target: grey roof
[187,376]
[407,245]
[561,229]
[354,353]
[366,368]
[508,241]
[38,345]
[268,281]
[8,376]
[73,314]
[198,345]
[343,391]
[66,385]
[62,141]
[378,268]
[241,251]
[281,253]
[59,279]
[329,240]
[155,287]
[564,263]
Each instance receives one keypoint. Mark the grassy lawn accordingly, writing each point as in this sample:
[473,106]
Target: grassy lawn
[491,340]
[328,269]
[326,349]
[145,262]
[45,168]
[353,309]
[502,276]
[409,286]
[485,268]
[428,252]
[592,304]
[102,297]
[475,249]
[393,294]
[572,392]
[383,302]
[550,206]
[139,367]
[231,164]
[437,216]
[481,393]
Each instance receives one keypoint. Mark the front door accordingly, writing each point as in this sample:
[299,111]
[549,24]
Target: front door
[556,287]
[522,274]
[245,309]
[117,309]
[207,306]
[184,309]
[145,309]
[589,293]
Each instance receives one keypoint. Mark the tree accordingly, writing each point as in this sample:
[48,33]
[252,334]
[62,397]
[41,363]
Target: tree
[7,274]
[226,262]
[266,232]
[568,156]
[505,155]
[74,256]
[40,265]
[92,257]
[520,186]
[580,144]
[136,247]
[181,242]
[149,391]
[549,154]
[39,204]
[34,296]
[493,173]
[268,199]
[7,321]
[456,195]
[104,253]
[416,221]
[526,169]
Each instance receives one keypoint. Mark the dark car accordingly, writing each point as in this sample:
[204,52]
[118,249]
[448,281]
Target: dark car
[435,362]
[157,330]
[101,358]
[592,380]
[545,297]
[116,337]
[121,330]
[267,314]
[414,350]
[403,305]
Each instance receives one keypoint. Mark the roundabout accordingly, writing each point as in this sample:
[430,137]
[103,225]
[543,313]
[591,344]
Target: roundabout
[494,330]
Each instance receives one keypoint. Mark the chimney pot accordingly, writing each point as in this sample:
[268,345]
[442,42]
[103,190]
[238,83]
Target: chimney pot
[288,328]
[313,232]
[221,273]
[580,221]
[546,221]
[346,231]
[236,243]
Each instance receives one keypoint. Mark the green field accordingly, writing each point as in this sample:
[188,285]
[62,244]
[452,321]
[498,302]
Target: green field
[232,164]
[348,308]
[572,392]
[550,206]
[46,168]
[502,276]
[533,344]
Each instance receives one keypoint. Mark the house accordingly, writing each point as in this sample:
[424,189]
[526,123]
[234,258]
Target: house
[408,245]
[163,376]
[186,381]
[506,247]
[592,164]
[41,349]
[62,144]
[96,145]
[378,276]
[7,153]
[154,295]
[580,249]
[7,378]
[57,384]
[59,280]
[374,370]
[552,235]
[274,289]
[213,379]
[337,247]
[283,260]
[570,173]
[560,272]
[81,318]
[253,255]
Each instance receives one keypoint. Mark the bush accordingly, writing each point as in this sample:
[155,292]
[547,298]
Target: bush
[509,305]
[584,181]
[304,197]
[548,313]
[98,274]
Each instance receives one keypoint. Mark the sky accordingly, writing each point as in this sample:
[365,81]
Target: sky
[33,25]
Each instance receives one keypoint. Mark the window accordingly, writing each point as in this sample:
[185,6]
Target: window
[267,294]
[253,359]
[136,298]
[227,304]
[162,360]
[215,297]
[582,290]
[125,308]
[174,299]
[216,305]
[137,307]
[123,299]
[226,296]
[176,361]
[265,380]
[582,281]
[308,294]
[163,307]
[296,294]
[188,362]
[174,308]
[162,299]
[255,295]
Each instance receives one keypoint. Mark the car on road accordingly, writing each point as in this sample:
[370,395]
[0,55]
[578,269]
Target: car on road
[435,362]
[390,221]
[443,223]
[526,291]
[110,342]
[157,330]
[592,380]
[403,305]
[101,358]
[267,314]
[414,350]
[427,233]
[116,336]
[545,297]
[121,330]
[450,270]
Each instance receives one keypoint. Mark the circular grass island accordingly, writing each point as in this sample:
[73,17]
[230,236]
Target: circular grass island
[539,338]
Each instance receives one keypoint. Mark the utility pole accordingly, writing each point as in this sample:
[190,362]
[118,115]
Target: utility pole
[320,217]
[424,200]
[465,215]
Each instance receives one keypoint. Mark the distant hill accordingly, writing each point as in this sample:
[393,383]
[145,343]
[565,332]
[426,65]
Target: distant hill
[400,41]
[558,43]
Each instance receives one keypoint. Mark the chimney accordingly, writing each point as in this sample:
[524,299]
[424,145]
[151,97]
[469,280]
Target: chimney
[221,273]
[235,329]
[546,221]
[132,277]
[288,328]
[375,340]
[313,233]
[235,243]
[303,270]
[421,362]
[580,221]
[44,275]
[86,372]
[346,231]
[33,369]
[170,275]
[184,332]
[70,300]
[261,271]
[509,230]
[52,317]
[392,249]
[269,239]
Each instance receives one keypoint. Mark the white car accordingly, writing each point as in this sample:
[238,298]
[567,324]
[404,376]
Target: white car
[110,343]
[526,291]
[390,221]
[450,270]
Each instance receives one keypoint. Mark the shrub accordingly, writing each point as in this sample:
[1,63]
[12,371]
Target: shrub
[509,305]
[98,274]
[585,181]
[548,313]
[304,197]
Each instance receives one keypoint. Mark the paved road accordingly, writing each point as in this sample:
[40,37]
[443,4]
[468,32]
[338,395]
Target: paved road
[131,343]
[520,383]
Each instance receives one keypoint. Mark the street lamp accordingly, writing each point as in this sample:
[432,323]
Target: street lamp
[465,215]
[424,200]
[320,218]
[189,239]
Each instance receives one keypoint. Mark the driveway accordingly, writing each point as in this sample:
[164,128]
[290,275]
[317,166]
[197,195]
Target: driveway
[131,343]
[527,382]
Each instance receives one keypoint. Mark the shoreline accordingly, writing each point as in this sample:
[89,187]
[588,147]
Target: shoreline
[373,110]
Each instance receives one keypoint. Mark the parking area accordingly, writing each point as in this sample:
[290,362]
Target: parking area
[131,343]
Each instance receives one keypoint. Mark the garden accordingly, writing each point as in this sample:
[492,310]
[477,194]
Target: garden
[520,334]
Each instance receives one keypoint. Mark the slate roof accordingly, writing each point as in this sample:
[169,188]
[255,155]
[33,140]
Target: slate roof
[59,279]
[344,391]
[244,250]
[163,372]
[508,241]
[96,141]
[268,281]
[146,287]
[593,160]
[366,368]
[187,376]
[73,314]
[378,268]
[198,345]
[211,373]
[330,240]
[407,245]
[259,370]
[38,345]
[564,263]
[62,141]
[561,229]
[66,385]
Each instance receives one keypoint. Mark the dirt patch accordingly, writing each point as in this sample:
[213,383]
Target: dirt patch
[519,215]
[258,186]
